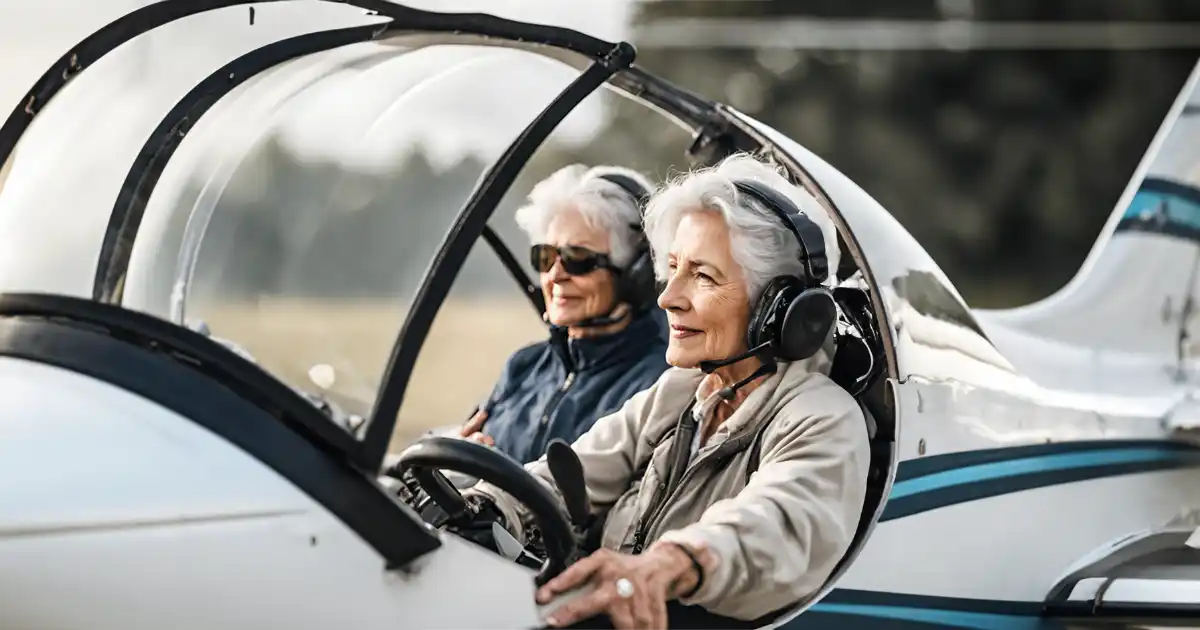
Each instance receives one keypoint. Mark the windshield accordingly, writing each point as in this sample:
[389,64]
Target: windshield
[297,218]
[308,252]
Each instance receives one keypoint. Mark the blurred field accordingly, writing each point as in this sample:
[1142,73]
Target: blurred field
[464,353]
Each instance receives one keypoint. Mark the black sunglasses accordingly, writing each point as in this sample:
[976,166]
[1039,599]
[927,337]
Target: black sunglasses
[577,261]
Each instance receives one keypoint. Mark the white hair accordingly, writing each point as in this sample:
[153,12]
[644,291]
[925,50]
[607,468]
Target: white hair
[760,244]
[603,205]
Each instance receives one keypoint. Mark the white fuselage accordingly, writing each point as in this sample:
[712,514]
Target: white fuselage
[1014,546]
[116,513]
[1054,376]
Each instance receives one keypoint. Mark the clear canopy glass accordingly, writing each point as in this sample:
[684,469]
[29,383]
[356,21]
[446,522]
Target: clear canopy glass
[66,172]
[309,251]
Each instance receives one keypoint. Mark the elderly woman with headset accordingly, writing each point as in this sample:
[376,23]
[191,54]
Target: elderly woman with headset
[734,484]
[607,339]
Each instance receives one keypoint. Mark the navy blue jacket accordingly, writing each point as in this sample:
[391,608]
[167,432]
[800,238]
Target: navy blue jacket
[558,388]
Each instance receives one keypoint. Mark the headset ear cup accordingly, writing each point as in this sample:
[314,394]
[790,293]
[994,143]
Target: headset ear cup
[807,324]
[760,316]
[638,286]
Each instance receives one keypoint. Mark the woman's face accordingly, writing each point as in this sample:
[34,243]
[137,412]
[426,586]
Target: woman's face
[706,299]
[573,299]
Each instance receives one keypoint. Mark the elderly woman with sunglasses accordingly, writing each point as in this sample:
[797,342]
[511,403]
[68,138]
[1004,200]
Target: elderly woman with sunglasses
[607,337]
[731,488]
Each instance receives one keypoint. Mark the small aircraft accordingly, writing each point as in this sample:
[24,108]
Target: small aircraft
[1037,467]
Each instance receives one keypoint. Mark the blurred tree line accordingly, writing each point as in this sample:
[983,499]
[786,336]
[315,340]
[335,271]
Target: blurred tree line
[1004,163]
[297,227]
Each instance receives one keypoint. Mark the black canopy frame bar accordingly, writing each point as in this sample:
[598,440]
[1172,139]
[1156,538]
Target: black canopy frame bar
[129,209]
[462,235]
[116,250]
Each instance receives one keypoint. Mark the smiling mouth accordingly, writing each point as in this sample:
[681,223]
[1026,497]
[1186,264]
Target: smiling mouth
[682,332]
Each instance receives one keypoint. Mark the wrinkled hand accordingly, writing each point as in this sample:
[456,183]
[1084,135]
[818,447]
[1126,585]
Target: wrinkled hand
[657,576]
[472,430]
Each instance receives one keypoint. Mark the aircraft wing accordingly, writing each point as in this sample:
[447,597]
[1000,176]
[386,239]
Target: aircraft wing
[1153,575]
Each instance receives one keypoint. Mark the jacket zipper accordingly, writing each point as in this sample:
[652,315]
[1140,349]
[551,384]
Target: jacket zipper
[551,405]
[640,535]
[659,503]
[652,516]
[557,398]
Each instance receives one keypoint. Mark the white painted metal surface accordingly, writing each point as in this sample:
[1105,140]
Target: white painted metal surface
[1014,547]
[116,513]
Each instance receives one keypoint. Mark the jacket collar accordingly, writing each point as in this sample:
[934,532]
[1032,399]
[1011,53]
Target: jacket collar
[771,395]
[648,328]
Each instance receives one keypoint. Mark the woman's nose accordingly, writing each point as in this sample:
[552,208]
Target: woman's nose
[558,273]
[672,297]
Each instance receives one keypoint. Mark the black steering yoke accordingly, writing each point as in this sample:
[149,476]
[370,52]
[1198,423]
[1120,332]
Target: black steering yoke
[434,453]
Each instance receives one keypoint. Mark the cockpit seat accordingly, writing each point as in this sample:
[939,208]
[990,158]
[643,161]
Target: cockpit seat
[858,352]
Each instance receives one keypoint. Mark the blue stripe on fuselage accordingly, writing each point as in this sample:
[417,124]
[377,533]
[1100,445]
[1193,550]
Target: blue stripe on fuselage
[1025,466]
[950,479]
[861,616]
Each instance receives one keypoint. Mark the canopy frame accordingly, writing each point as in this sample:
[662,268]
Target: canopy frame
[601,62]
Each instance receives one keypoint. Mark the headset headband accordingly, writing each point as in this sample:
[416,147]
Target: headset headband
[807,233]
[635,283]
[631,187]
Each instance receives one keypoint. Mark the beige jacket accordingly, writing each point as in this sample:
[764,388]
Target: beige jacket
[776,535]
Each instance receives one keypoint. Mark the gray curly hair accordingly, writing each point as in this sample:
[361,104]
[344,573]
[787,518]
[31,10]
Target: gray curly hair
[603,204]
[762,247]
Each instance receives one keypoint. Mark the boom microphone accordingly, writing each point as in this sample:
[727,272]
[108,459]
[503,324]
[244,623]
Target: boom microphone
[762,351]
[708,367]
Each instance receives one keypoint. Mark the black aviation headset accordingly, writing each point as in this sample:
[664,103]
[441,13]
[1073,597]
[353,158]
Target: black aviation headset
[636,284]
[794,315]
